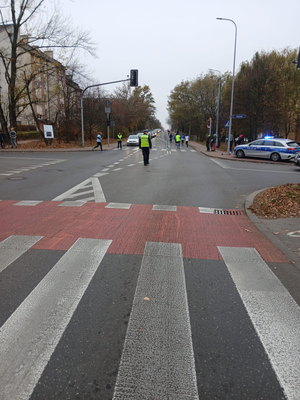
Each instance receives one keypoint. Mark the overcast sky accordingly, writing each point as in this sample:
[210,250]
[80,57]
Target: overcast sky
[173,40]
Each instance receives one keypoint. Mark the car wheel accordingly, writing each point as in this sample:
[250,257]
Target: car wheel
[240,154]
[275,157]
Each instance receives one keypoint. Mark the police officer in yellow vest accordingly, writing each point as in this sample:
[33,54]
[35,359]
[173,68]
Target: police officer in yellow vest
[119,136]
[145,144]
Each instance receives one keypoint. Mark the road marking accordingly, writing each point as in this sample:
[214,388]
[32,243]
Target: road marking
[77,190]
[13,247]
[206,210]
[273,312]
[294,234]
[30,336]
[118,205]
[164,208]
[224,166]
[158,359]
[28,203]
[117,169]
[131,165]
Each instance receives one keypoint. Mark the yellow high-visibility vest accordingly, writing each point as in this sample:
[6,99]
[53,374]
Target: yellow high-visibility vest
[119,137]
[144,141]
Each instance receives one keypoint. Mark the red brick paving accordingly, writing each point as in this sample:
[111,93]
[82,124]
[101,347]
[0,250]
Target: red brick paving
[129,230]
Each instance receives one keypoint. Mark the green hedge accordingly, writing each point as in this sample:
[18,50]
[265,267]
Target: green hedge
[28,135]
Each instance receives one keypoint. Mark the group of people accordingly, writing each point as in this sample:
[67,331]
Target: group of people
[211,141]
[13,138]
[179,139]
[99,141]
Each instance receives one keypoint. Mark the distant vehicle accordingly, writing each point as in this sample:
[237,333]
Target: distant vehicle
[133,140]
[275,149]
[297,160]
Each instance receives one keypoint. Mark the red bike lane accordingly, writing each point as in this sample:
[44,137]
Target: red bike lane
[129,229]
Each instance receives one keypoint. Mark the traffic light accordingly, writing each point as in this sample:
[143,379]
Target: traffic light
[134,77]
[209,123]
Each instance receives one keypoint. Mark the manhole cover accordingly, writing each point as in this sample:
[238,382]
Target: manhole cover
[16,178]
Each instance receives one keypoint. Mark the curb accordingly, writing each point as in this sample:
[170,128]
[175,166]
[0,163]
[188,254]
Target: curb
[263,228]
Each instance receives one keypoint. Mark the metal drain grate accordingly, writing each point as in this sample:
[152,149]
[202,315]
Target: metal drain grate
[228,212]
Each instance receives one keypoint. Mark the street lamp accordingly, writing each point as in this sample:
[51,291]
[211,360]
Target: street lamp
[232,88]
[218,110]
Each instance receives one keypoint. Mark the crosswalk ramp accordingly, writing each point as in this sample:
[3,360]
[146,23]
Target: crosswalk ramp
[69,336]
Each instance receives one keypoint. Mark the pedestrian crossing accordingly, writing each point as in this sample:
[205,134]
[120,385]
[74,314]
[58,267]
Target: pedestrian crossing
[158,356]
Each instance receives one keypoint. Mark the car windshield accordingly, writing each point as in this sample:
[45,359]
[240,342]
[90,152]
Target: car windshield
[292,144]
[133,137]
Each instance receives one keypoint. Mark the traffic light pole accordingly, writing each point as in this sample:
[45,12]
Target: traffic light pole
[133,76]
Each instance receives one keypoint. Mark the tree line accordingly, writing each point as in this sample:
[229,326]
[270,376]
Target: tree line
[266,90]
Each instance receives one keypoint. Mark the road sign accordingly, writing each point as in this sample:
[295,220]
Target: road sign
[107,110]
[107,103]
[226,124]
[240,116]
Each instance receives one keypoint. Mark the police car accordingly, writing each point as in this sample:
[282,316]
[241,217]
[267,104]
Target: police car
[275,149]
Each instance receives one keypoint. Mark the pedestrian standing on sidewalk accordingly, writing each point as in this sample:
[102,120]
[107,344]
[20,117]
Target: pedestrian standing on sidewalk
[187,138]
[99,144]
[120,137]
[13,137]
[207,137]
[214,139]
[145,144]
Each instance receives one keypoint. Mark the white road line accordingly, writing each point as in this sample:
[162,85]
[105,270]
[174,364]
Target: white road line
[164,208]
[158,359]
[193,151]
[131,165]
[273,312]
[30,336]
[28,203]
[224,166]
[125,206]
[98,192]
[206,210]
[117,169]
[13,247]
[104,170]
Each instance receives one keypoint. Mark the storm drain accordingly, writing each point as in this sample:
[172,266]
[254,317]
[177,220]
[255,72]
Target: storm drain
[228,212]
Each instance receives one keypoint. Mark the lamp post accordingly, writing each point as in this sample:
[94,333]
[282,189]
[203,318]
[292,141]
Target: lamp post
[232,88]
[218,108]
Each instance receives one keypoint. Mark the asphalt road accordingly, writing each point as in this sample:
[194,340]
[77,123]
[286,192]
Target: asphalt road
[130,282]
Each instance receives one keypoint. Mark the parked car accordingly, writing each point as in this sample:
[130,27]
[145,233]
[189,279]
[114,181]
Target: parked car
[133,140]
[275,149]
[297,160]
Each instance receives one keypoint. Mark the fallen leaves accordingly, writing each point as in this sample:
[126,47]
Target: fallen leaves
[278,202]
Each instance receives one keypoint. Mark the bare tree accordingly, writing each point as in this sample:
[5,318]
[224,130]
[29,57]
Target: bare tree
[24,25]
